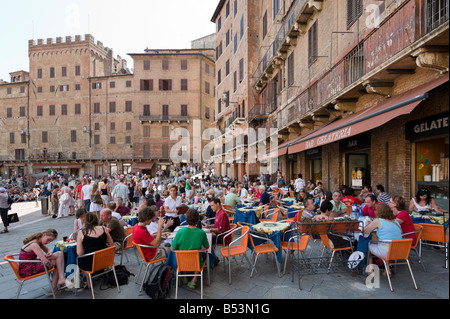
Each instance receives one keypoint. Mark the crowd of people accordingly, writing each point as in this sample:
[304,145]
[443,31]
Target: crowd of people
[99,206]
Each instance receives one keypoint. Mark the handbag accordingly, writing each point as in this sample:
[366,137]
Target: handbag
[98,199]
[13,218]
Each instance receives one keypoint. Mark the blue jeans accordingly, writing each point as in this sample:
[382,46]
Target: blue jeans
[87,204]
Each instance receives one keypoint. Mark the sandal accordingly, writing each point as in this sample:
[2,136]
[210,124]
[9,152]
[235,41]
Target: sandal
[192,285]
[4,231]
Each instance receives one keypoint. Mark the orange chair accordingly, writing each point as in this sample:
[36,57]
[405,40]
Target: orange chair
[232,227]
[234,250]
[103,260]
[230,212]
[399,250]
[327,244]
[293,244]
[291,194]
[148,263]
[127,244]
[418,229]
[14,263]
[189,261]
[435,234]
[270,215]
[269,248]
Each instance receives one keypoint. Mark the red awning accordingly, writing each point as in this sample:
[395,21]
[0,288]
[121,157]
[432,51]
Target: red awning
[146,166]
[367,119]
[56,165]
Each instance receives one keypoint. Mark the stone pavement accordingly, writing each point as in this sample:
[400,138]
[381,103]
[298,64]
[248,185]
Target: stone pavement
[265,284]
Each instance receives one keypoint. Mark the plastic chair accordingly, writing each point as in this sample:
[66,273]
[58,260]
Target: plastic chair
[233,250]
[434,233]
[102,260]
[230,212]
[398,250]
[148,263]
[291,194]
[14,263]
[268,248]
[327,244]
[127,244]
[293,244]
[189,261]
[418,233]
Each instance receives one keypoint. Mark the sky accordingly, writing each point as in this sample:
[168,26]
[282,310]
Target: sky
[128,26]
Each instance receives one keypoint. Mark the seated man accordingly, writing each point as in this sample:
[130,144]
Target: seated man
[265,196]
[370,208]
[221,223]
[232,198]
[309,210]
[120,208]
[112,206]
[191,238]
[113,227]
[141,235]
[339,208]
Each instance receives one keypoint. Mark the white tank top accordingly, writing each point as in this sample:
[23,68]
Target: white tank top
[420,208]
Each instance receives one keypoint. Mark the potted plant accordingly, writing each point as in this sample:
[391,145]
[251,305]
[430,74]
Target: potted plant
[344,225]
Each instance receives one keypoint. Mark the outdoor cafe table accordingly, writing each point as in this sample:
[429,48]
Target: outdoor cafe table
[274,232]
[131,219]
[69,250]
[429,218]
[248,215]
[288,201]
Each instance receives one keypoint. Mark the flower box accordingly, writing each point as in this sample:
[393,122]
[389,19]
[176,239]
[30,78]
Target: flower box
[344,226]
[310,226]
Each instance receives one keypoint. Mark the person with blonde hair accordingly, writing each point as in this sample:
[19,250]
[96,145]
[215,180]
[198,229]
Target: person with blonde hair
[35,247]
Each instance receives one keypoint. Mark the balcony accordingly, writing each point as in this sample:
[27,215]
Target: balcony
[164,118]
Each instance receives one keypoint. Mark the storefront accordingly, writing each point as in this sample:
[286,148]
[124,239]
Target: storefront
[430,156]
[314,162]
[356,156]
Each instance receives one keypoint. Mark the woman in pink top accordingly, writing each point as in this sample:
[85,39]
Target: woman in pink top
[398,206]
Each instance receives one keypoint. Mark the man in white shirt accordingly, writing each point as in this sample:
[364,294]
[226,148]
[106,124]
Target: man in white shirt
[170,207]
[244,192]
[299,183]
[86,194]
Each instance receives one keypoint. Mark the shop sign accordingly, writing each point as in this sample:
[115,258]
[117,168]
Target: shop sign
[355,143]
[427,127]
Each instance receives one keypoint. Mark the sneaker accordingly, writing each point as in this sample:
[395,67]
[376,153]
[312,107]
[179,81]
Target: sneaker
[54,216]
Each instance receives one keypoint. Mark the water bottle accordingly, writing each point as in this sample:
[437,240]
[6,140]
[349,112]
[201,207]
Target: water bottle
[355,211]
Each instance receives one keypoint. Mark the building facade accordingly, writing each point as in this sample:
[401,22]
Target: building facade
[357,91]
[81,111]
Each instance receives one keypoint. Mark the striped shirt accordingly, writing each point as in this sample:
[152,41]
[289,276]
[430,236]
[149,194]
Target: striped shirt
[384,198]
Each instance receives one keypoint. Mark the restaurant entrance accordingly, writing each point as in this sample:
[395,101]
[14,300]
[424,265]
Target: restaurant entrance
[356,152]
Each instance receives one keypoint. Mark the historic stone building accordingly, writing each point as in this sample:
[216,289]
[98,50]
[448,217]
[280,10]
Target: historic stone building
[80,110]
[357,91]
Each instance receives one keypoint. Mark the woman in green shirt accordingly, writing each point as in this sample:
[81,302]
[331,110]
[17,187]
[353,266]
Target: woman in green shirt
[191,238]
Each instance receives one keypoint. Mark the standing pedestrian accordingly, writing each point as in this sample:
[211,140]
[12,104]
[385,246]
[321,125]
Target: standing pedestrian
[4,207]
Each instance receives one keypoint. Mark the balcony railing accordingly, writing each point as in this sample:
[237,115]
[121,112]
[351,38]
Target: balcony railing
[394,35]
[164,118]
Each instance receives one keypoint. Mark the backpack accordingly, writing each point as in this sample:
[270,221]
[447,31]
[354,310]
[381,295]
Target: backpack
[159,282]
[122,277]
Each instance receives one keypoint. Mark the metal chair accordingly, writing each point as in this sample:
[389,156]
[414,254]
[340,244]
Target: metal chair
[14,263]
[102,260]
[189,261]
[268,248]
[233,250]
[148,263]
[326,244]
[127,244]
[295,243]
[398,250]
[435,234]
[418,233]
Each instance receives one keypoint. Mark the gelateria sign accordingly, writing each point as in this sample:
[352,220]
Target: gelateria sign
[329,138]
[427,127]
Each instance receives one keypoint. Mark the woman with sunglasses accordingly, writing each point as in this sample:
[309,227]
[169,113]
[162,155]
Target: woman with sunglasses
[424,202]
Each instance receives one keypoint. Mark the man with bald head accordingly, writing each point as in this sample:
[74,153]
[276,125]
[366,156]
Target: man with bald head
[112,226]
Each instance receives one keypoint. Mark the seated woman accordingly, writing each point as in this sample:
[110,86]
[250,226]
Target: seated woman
[80,217]
[92,238]
[424,202]
[35,247]
[191,238]
[398,207]
[141,235]
[387,229]
[326,209]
